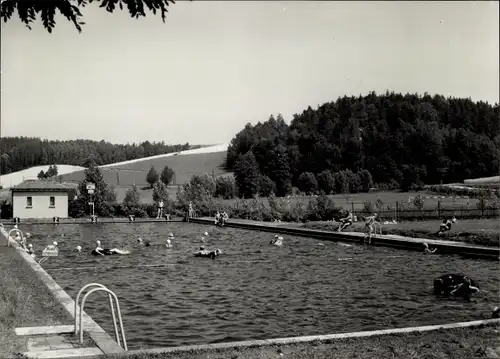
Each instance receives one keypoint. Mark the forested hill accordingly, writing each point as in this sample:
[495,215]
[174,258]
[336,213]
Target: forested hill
[399,139]
[18,153]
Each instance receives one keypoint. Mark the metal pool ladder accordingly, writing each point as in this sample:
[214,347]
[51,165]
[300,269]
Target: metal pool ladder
[112,296]
[375,225]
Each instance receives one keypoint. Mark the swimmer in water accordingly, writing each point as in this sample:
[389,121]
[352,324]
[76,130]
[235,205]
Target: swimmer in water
[30,250]
[171,235]
[428,250]
[277,241]
[147,244]
[77,249]
[169,243]
[139,240]
[99,251]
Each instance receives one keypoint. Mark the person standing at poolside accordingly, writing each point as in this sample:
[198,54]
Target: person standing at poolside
[370,221]
[160,209]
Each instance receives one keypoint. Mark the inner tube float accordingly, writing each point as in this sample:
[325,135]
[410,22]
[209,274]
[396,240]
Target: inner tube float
[457,285]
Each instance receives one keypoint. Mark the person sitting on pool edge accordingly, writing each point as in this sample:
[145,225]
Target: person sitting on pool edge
[345,222]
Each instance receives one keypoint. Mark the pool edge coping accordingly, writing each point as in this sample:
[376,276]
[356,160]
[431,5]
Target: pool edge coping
[408,243]
[101,339]
[311,338]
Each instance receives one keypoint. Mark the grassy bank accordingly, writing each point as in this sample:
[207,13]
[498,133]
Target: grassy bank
[24,301]
[463,343]
[484,232]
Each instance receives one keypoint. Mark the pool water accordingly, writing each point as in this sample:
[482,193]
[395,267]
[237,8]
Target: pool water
[254,290]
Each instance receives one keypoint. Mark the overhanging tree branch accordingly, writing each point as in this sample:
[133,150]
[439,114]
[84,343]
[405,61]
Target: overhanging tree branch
[28,10]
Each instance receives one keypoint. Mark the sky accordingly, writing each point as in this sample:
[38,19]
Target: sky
[214,66]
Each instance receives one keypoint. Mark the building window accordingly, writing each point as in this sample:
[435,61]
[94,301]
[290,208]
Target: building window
[29,202]
[52,202]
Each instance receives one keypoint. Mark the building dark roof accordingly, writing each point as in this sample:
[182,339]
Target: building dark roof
[44,186]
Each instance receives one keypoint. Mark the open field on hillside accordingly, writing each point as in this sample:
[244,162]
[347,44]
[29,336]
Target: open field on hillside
[184,167]
[356,200]
[474,231]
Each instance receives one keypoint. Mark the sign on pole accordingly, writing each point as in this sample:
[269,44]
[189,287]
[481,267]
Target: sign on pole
[91,191]
[90,186]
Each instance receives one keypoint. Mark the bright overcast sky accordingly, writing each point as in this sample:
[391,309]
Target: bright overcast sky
[214,66]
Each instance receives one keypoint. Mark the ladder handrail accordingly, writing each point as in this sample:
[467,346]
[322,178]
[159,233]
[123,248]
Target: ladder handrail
[111,294]
[78,299]
[379,227]
[110,304]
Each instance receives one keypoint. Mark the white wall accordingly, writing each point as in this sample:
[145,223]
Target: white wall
[40,205]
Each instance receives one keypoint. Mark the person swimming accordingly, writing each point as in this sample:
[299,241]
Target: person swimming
[428,250]
[169,243]
[208,254]
[171,235]
[139,240]
[31,250]
[277,241]
[455,285]
[99,251]
[77,249]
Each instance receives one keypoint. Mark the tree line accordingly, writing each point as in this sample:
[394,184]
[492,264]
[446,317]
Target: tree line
[18,153]
[402,141]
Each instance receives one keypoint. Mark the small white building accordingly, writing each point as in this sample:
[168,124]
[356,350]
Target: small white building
[41,199]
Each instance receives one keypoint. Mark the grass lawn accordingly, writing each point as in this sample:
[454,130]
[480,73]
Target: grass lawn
[24,301]
[184,167]
[357,200]
[466,343]
[474,231]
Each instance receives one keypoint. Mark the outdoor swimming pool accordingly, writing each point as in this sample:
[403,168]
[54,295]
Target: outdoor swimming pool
[254,290]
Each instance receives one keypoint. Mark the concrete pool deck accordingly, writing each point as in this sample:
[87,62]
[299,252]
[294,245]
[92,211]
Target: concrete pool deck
[47,342]
[389,240]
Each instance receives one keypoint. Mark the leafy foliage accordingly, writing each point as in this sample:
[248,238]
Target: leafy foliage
[246,174]
[403,141]
[103,196]
[132,203]
[28,10]
[152,176]
[307,183]
[199,189]
[326,182]
[225,187]
[18,153]
[167,174]
[160,192]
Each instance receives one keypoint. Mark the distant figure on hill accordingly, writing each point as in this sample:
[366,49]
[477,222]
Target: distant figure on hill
[160,209]
[369,227]
[446,226]
[346,222]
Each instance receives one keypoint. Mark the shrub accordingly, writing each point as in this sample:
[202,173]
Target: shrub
[321,208]
[326,182]
[418,202]
[266,186]
[167,174]
[152,176]
[225,187]
[366,181]
[307,183]
[367,207]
